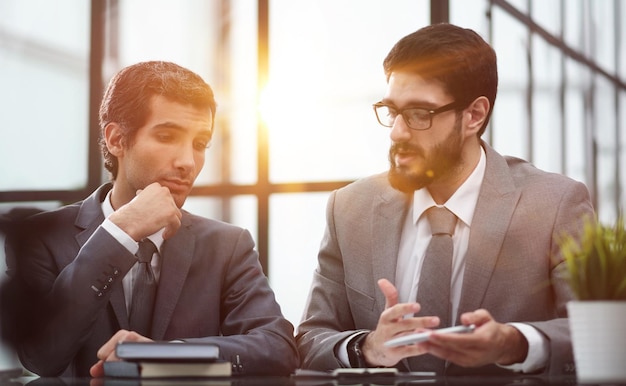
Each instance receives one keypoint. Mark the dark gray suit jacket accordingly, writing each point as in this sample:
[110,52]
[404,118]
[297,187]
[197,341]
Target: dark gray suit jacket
[513,265]
[211,289]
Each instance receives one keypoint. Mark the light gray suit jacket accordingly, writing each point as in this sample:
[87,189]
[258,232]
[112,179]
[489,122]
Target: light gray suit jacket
[211,288]
[513,265]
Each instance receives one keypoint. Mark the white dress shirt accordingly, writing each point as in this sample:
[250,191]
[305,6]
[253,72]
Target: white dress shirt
[416,236]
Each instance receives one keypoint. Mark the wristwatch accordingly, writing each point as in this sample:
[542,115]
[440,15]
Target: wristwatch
[355,353]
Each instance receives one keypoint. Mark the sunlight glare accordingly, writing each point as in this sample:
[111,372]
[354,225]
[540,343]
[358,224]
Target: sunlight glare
[280,104]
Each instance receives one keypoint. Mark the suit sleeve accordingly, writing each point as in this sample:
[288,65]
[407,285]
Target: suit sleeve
[574,208]
[63,301]
[254,332]
[327,318]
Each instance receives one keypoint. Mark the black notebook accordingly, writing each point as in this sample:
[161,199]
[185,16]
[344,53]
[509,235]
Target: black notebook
[167,351]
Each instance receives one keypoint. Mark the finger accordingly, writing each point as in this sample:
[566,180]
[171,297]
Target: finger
[478,317]
[112,357]
[402,314]
[174,221]
[390,292]
[171,228]
[447,354]
[472,354]
[132,336]
[456,341]
[109,346]
[97,370]
[411,350]
[150,187]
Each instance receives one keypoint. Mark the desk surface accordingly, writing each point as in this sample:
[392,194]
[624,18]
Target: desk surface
[300,381]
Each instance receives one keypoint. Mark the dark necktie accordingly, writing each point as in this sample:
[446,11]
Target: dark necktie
[433,293]
[144,290]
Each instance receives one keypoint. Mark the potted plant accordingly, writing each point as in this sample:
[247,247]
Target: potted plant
[596,264]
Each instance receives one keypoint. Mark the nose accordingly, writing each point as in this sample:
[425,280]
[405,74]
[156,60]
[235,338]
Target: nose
[400,131]
[185,159]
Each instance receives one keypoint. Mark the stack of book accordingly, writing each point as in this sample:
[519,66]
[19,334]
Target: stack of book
[167,360]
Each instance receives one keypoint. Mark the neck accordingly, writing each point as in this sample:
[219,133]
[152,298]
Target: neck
[118,198]
[442,189]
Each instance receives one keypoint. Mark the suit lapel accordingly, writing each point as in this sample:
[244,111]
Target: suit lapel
[176,254]
[494,210]
[388,214]
[89,218]
[90,214]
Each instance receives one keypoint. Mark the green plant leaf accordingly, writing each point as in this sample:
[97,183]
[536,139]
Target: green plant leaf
[596,261]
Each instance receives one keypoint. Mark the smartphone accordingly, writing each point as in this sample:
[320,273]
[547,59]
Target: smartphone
[423,336]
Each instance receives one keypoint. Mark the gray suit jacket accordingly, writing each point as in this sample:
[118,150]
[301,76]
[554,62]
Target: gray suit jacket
[513,265]
[211,289]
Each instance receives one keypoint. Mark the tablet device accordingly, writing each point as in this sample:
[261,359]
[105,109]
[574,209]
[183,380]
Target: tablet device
[423,336]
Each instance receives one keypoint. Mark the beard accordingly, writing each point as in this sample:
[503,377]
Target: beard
[442,160]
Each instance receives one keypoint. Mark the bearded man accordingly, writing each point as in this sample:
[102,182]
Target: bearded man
[376,278]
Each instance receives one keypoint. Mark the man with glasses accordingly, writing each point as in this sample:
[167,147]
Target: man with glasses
[386,270]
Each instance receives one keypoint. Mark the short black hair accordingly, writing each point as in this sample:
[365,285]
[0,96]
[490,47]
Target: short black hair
[457,57]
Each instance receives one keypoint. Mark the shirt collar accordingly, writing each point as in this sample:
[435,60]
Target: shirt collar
[107,209]
[463,201]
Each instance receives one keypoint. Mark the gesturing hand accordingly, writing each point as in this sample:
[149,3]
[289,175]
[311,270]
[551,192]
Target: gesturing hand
[392,323]
[491,342]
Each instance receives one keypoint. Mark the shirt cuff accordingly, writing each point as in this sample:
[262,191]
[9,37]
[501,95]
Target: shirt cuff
[342,352]
[538,350]
[121,236]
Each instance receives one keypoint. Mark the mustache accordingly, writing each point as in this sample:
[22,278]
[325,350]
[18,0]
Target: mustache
[396,148]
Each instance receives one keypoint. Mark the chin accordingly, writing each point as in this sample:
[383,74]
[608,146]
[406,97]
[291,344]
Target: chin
[405,181]
[179,198]
[180,201]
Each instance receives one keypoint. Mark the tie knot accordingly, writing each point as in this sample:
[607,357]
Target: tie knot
[146,250]
[441,220]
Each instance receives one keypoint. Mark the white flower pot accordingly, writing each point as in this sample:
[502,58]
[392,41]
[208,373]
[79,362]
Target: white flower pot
[598,330]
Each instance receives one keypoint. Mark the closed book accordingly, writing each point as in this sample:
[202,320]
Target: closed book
[167,351]
[161,369]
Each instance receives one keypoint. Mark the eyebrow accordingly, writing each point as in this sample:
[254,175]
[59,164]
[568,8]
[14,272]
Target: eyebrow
[410,104]
[177,127]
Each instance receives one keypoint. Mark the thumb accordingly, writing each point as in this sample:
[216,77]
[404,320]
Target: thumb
[478,317]
[390,292]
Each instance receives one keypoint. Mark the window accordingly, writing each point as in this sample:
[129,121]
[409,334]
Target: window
[294,81]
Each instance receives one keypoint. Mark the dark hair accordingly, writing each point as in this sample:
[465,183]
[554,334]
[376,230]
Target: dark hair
[457,57]
[127,98]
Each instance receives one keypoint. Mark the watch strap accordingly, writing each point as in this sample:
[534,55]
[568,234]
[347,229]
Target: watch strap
[355,351]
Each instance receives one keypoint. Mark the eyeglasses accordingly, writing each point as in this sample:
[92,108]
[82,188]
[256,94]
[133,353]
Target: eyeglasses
[417,118]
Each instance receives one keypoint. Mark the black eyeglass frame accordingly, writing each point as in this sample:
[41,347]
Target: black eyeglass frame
[431,113]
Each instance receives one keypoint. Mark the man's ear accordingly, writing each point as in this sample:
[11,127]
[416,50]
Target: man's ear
[114,138]
[476,113]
